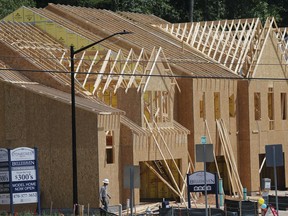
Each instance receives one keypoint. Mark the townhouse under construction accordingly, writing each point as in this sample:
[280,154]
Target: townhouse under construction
[142,99]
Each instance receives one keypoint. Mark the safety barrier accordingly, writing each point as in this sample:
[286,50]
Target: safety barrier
[282,202]
[243,208]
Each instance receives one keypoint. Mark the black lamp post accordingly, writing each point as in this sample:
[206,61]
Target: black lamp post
[74,152]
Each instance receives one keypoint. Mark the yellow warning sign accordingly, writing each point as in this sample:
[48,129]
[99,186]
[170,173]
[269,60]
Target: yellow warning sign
[61,34]
[18,16]
[28,15]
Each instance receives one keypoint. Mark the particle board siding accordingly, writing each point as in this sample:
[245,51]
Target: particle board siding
[14,113]
[49,122]
[2,110]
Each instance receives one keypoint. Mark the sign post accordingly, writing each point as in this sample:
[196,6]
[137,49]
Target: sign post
[23,177]
[204,153]
[131,180]
[274,158]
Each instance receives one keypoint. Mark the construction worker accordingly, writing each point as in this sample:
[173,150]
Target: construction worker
[104,196]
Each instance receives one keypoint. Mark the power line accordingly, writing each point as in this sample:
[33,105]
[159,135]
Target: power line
[169,60]
[149,75]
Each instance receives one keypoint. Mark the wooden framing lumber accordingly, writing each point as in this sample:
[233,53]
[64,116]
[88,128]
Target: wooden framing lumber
[165,162]
[229,158]
[215,159]
[162,179]
[231,43]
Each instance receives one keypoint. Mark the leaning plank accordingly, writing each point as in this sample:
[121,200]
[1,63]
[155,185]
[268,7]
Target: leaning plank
[234,166]
[218,172]
[161,178]
[226,157]
[168,168]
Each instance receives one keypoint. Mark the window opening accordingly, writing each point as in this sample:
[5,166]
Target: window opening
[217,105]
[202,106]
[157,106]
[232,106]
[109,147]
[271,108]
[257,106]
[283,106]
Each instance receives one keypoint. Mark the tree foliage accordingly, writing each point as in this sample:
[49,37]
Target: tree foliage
[175,11]
[8,6]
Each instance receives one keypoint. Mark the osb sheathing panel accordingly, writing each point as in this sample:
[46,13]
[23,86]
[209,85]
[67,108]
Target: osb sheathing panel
[46,124]
[260,133]
[244,134]
[2,110]
[127,157]
[184,108]
[211,86]
[270,60]
[189,100]
[111,171]
[130,102]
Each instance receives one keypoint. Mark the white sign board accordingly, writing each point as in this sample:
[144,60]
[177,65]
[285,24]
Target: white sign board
[24,180]
[198,178]
[23,153]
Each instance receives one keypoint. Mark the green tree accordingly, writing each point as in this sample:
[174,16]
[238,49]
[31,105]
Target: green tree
[179,11]
[8,6]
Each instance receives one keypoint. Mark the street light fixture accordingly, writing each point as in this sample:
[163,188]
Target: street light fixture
[74,152]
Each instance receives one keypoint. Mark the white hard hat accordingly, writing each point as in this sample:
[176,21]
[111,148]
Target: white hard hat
[106,181]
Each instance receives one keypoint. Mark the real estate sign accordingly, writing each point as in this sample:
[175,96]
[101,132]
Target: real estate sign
[4,177]
[23,175]
[19,176]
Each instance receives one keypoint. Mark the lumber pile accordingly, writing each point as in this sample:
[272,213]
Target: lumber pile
[233,174]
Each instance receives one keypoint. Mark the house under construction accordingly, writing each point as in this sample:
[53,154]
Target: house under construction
[143,99]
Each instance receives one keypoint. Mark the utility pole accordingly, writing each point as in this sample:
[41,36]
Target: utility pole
[191,10]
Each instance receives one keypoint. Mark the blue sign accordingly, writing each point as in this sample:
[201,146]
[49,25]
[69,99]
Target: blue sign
[28,186]
[203,140]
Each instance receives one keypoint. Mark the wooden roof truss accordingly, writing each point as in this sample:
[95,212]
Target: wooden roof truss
[96,70]
[236,44]
[36,47]
[102,71]
[282,35]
